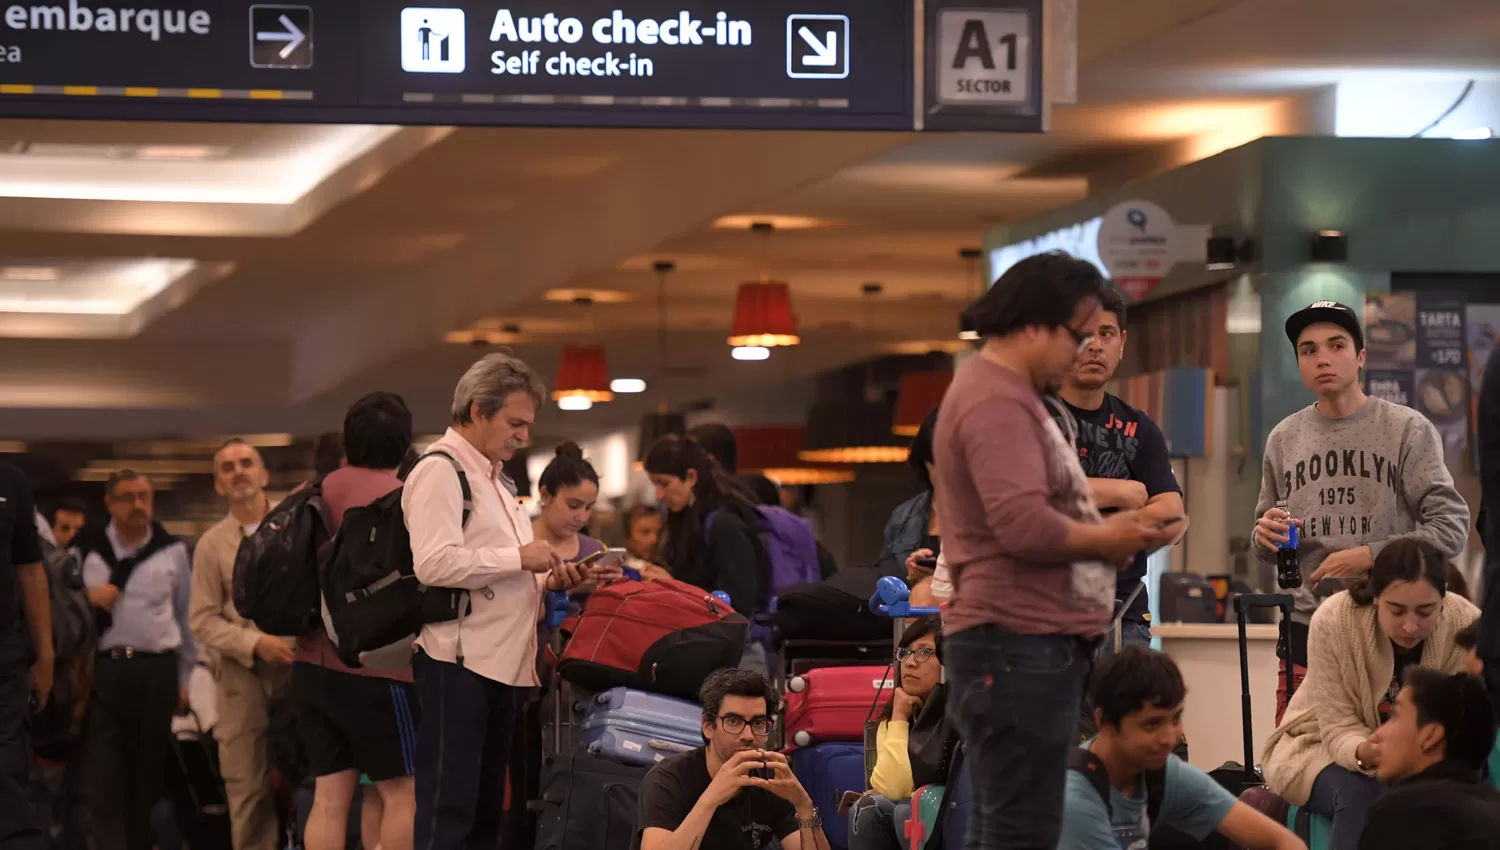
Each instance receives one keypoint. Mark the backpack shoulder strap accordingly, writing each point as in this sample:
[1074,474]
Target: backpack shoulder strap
[1156,792]
[463,481]
[1091,767]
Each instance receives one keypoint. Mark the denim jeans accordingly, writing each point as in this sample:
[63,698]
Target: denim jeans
[1132,633]
[1345,797]
[875,823]
[1014,699]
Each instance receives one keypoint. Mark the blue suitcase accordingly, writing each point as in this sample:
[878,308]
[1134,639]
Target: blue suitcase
[639,728]
[827,771]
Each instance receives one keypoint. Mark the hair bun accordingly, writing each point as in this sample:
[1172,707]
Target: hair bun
[571,450]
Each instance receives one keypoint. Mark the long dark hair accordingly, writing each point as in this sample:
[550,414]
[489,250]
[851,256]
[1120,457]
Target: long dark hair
[567,469]
[1403,559]
[714,491]
[932,625]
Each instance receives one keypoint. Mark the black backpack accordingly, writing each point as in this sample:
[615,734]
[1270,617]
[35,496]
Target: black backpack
[373,605]
[73,638]
[588,803]
[275,581]
[836,609]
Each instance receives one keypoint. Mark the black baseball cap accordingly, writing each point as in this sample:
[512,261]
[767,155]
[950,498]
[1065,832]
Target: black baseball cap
[1331,312]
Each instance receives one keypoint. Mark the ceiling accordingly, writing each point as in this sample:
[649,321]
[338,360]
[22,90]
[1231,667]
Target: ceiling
[323,262]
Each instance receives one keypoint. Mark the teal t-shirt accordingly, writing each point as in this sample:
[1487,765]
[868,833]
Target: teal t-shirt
[1192,802]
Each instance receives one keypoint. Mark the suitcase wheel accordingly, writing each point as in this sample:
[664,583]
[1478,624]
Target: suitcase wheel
[802,738]
[797,685]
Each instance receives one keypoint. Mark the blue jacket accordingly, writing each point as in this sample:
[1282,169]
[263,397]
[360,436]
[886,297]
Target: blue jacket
[905,532]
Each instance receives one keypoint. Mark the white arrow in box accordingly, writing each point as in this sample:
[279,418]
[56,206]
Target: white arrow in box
[824,55]
[293,36]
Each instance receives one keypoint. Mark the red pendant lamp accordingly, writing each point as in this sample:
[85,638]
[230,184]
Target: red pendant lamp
[583,373]
[763,315]
[920,392]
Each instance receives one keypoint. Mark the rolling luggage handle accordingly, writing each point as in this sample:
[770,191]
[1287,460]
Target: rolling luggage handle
[1243,604]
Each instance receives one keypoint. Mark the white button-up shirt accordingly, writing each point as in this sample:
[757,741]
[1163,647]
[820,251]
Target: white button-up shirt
[499,632]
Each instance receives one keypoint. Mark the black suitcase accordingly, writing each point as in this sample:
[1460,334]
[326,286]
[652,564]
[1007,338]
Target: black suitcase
[1237,777]
[588,803]
[196,788]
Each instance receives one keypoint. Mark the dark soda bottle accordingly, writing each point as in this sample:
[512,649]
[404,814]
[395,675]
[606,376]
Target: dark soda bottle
[1288,570]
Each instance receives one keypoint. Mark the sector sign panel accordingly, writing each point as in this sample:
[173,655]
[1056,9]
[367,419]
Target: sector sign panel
[814,64]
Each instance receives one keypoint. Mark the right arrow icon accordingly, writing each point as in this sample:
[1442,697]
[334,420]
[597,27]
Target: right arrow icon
[824,54]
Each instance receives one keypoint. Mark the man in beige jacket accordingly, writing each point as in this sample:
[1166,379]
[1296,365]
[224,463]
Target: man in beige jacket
[250,667]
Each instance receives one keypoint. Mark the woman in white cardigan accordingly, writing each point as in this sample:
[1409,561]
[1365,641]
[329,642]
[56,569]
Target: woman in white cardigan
[1361,640]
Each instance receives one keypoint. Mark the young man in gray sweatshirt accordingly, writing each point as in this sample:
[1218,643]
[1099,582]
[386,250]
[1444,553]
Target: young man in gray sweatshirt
[1355,472]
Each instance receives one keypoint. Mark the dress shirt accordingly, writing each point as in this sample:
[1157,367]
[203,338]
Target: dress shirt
[499,632]
[152,612]
[216,623]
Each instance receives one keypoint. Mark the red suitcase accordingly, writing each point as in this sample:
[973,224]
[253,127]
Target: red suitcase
[832,703]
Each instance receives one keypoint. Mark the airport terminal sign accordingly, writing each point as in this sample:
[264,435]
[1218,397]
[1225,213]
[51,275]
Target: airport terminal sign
[797,64]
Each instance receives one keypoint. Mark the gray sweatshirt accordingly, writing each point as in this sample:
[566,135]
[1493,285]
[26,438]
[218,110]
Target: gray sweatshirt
[1362,480]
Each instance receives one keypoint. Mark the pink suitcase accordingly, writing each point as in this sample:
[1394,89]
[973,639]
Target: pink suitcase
[832,703]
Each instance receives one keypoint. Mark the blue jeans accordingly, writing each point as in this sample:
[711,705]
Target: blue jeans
[1345,798]
[1132,633]
[875,823]
[463,749]
[1014,699]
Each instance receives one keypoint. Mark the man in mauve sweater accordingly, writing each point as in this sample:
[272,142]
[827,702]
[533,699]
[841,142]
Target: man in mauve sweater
[1033,563]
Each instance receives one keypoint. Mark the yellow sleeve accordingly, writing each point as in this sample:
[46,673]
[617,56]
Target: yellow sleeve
[891,777]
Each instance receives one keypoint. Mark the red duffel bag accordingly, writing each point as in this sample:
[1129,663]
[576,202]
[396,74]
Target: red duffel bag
[832,703]
[658,636]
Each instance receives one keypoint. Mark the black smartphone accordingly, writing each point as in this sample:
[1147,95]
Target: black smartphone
[927,563]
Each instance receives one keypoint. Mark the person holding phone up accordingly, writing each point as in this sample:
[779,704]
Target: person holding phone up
[914,743]
[569,489]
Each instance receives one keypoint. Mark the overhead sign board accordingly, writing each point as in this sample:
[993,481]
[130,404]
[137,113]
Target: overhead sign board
[796,64]
[984,65]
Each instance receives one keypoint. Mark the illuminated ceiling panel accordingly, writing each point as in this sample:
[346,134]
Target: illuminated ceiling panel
[95,299]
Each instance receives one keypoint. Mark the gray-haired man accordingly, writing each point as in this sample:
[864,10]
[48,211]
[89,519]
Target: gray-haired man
[467,671]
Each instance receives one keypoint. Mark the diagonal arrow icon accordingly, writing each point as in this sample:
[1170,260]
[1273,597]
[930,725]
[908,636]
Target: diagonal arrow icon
[824,55]
[293,36]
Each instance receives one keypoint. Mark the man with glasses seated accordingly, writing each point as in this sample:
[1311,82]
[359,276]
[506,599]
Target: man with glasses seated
[732,793]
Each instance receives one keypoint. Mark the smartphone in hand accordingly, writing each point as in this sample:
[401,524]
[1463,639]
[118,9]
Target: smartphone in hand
[1169,521]
[847,801]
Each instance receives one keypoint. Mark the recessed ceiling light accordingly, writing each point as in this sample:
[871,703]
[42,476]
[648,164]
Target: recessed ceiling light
[30,273]
[597,296]
[181,152]
[929,346]
[626,386]
[779,222]
[750,352]
[575,403]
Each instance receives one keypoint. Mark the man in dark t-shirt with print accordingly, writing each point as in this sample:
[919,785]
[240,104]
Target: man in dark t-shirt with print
[1124,455]
[732,794]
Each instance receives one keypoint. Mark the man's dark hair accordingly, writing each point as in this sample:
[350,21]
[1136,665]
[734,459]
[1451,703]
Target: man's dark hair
[118,477]
[1043,290]
[1461,704]
[921,449]
[377,431]
[636,513]
[1113,300]
[328,453]
[730,682]
[1133,679]
[70,504]
[763,489]
[719,442]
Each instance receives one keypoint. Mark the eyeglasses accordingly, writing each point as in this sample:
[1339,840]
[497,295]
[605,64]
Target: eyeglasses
[735,724]
[1079,337]
[922,655]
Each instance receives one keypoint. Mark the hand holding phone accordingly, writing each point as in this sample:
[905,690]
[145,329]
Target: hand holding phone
[1169,521]
[847,801]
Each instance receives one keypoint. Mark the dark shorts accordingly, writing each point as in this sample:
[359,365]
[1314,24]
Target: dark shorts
[350,722]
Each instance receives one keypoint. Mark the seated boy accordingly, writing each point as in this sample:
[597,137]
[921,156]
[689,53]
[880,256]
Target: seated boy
[1118,778]
[732,794]
[1432,753]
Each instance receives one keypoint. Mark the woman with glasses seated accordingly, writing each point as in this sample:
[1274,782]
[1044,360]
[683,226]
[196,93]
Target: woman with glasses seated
[914,742]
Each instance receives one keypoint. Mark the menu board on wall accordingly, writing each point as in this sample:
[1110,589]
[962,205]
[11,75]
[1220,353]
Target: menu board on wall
[1416,355]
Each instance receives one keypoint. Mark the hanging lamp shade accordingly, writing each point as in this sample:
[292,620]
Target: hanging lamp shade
[582,372]
[654,426]
[920,392]
[851,432]
[763,316]
[772,450]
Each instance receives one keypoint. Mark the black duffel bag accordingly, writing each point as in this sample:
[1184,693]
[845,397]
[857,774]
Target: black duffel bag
[836,609]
